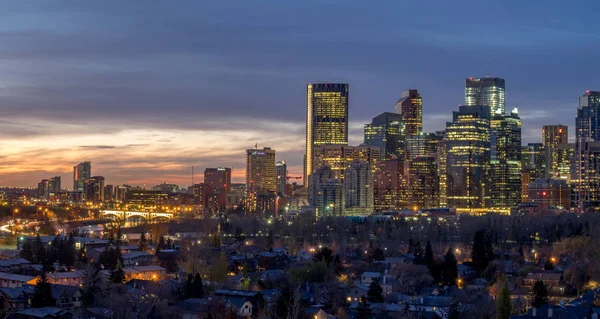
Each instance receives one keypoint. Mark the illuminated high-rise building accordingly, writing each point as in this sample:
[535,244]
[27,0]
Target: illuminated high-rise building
[505,161]
[467,159]
[486,91]
[218,182]
[441,167]
[339,157]
[389,186]
[93,189]
[410,106]
[423,181]
[552,137]
[423,144]
[281,174]
[586,168]
[358,187]
[260,174]
[326,119]
[532,166]
[326,193]
[109,193]
[386,131]
[81,171]
[43,189]
[55,186]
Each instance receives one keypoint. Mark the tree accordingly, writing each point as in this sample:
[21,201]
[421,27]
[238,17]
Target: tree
[117,275]
[27,251]
[39,252]
[42,293]
[270,241]
[143,241]
[378,254]
[161,244]
[324,254]
[480,254]
[282,306]
[198,286]
[450,271]
[375,292]
[189,287]
[429,255]
[363,311]
[540,294]
[92,286]
[503,307]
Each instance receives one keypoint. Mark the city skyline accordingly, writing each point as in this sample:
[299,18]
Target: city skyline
[144,117]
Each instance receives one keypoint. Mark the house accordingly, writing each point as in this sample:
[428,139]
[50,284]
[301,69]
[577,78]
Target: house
[69,278]
[145,272]
[245,303]
[304,256]
[550,311]
[15,299]
[15,264]
[193,308]
[41,313]
[14,281]
[66,297]
[552,281]
[271,260]
[355,292]
[367,277]
[136,258]
[168,258]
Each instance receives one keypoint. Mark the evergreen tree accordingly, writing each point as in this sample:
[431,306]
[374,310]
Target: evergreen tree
[143,241]
[39,252]
[270,241]
[198,287]
[375,292]
[283,304]
[363,311]
[429,255]
[503,307]
[540,294]
[27,251]
[91,287]
[378,254]
[479,254]
[324,254]
[450,271]
[117,275]
[189,288]
[42,293]
[161,244]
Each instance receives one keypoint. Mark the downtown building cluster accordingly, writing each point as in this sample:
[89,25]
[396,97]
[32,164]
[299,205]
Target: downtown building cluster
[476,165]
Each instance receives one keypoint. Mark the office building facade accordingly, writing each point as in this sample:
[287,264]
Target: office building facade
[81,172]
[260,174]
[505,161]
[218,182]
[423,192]
[339,157]
[389,186]
[326,119]
[358,188]
[553,136]
[386,131]
[488,91]
[467,159]
[410,107]
[93,189]
[281,175]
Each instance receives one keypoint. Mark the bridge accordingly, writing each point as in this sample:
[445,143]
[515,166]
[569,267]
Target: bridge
[127,214]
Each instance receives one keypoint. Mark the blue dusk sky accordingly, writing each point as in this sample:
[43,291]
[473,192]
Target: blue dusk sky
[147,89]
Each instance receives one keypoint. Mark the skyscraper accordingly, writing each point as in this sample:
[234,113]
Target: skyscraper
[587,123]
[423,180]
[55,185]
[358,187]
[43,189]
[260,173]
[218,182]
[281,174]
[467,159]
[552,137]
[326,193]
[326,119]
[386,131]
[81,171]
[93,189]
[505,161]
[423,144]
[410,106]
[486,91]
[586,166]
[532,166]
[441,167]
[339,157]
[389,185]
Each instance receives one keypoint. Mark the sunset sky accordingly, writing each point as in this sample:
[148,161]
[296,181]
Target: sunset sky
[147,89]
